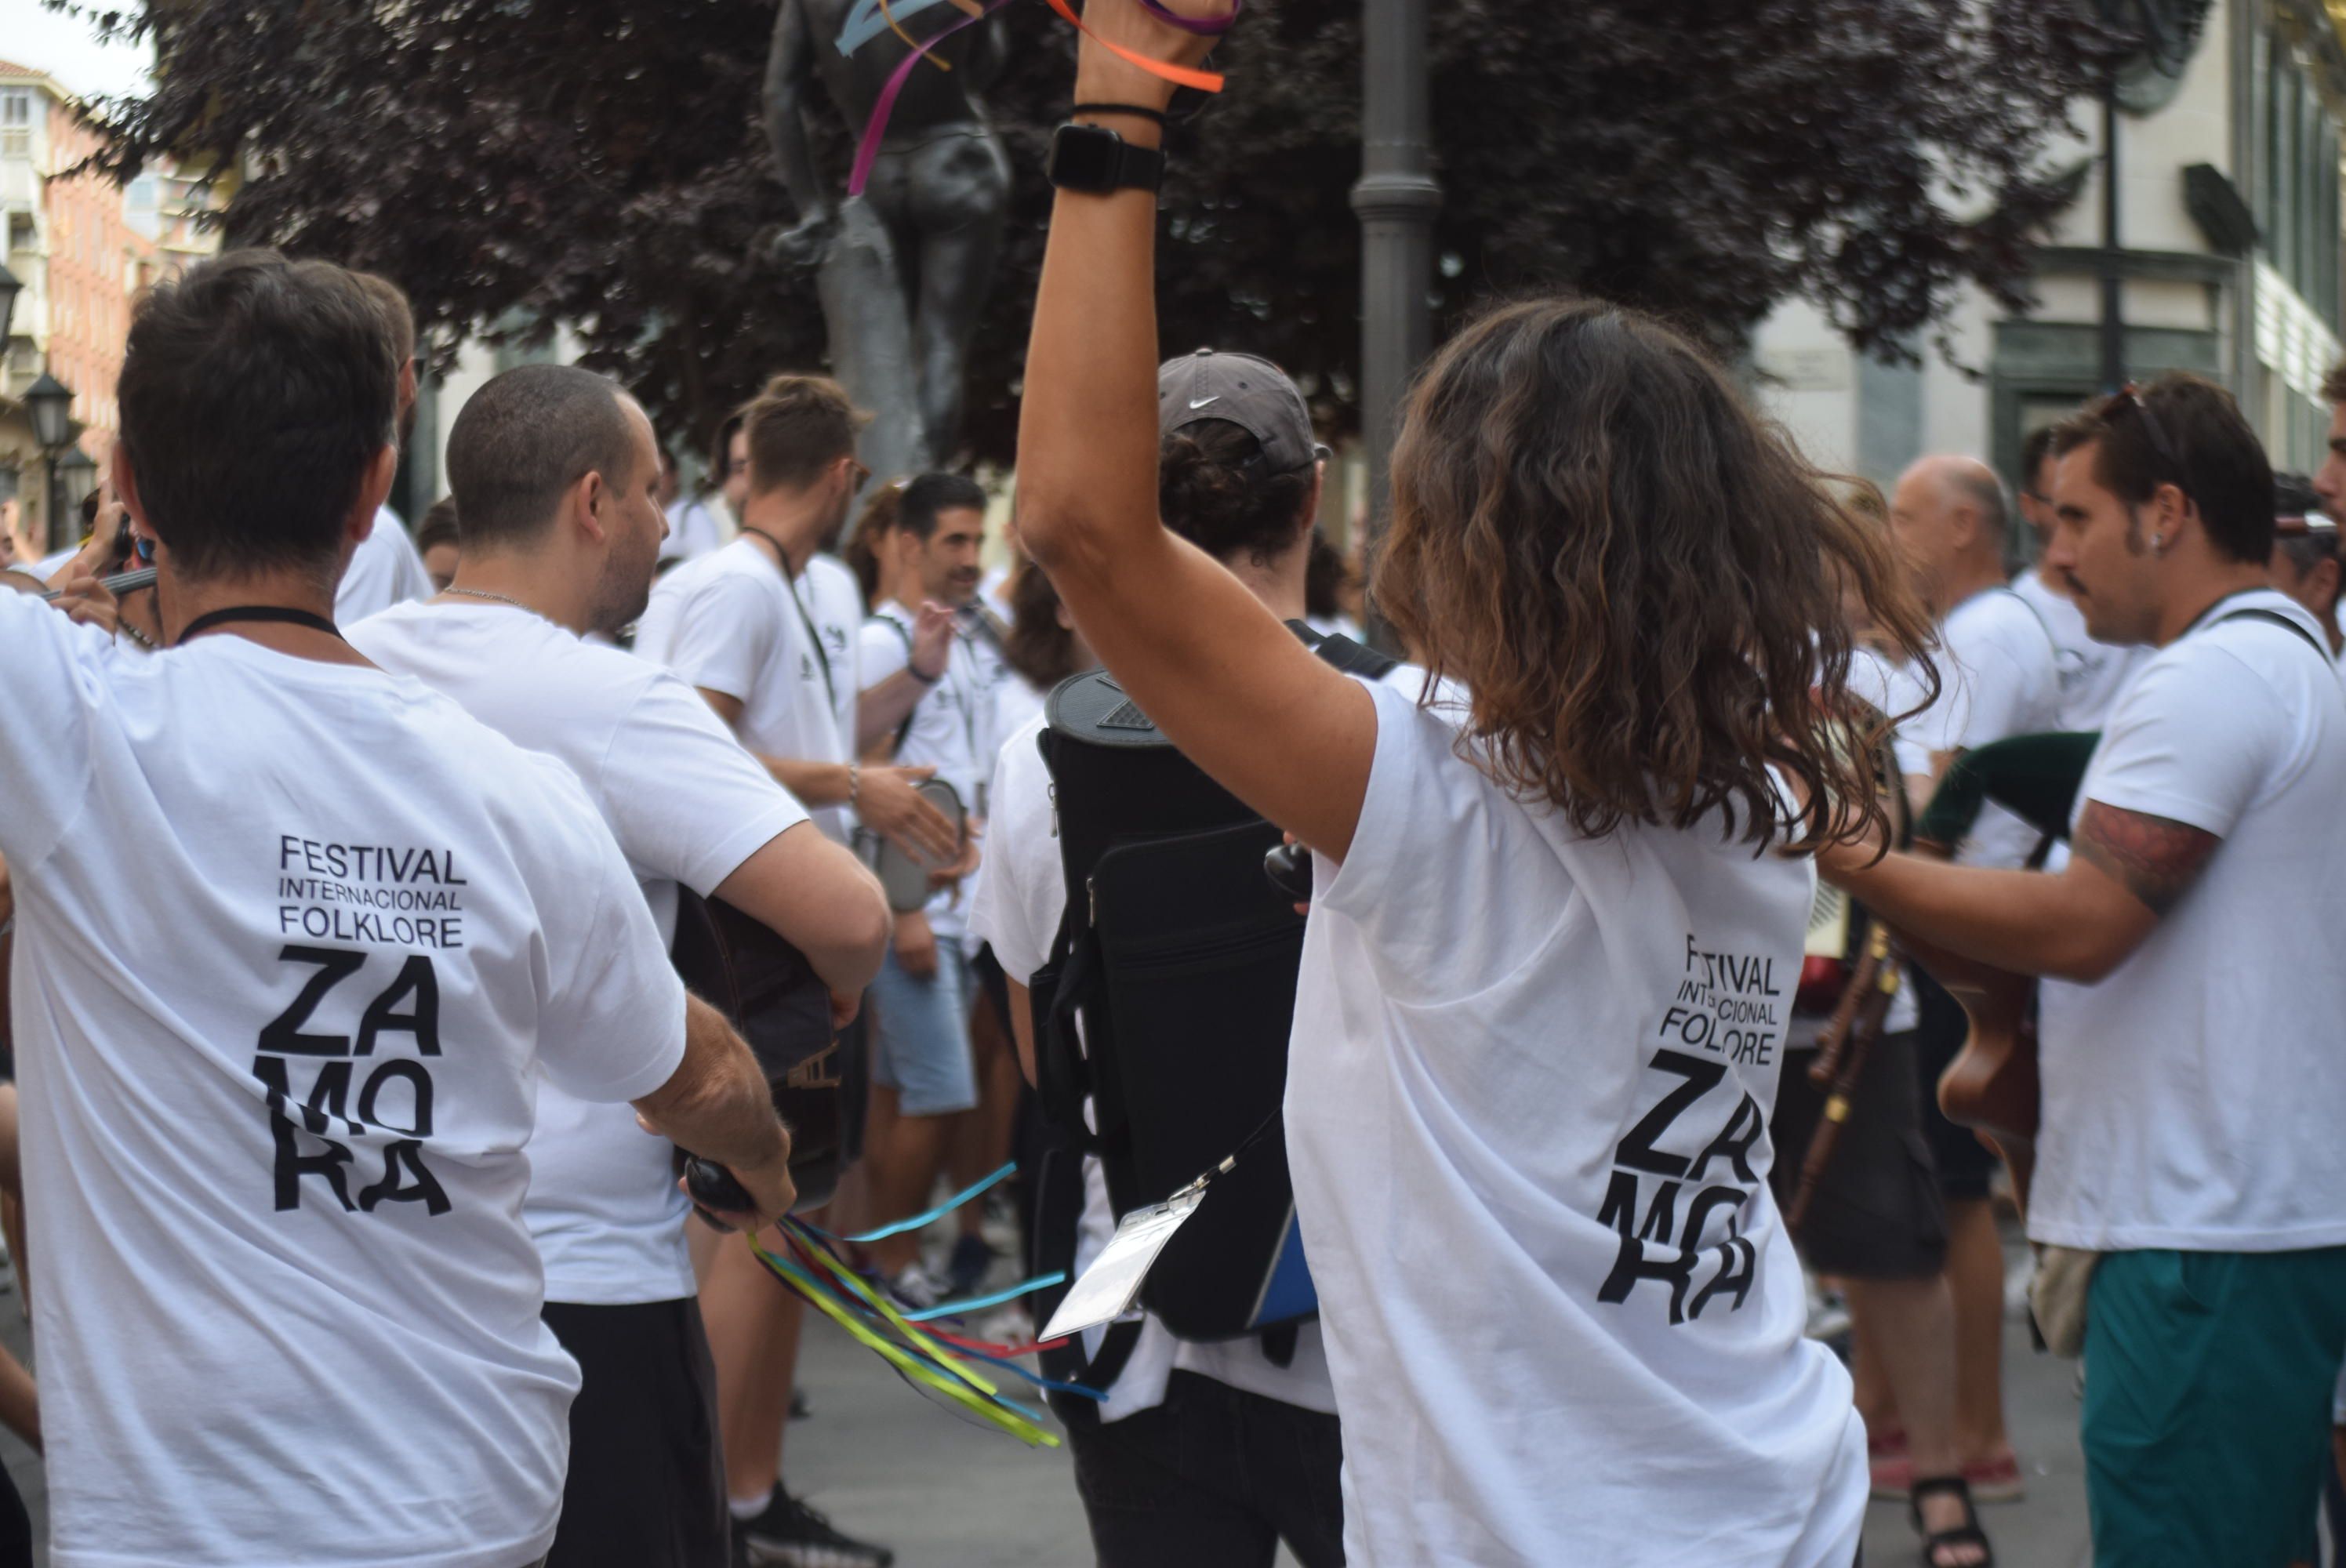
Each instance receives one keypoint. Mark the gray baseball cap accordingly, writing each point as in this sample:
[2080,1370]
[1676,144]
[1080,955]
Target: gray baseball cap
[1252,393]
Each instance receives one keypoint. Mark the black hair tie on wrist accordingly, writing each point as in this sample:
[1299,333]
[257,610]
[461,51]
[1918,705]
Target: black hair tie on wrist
[1157,115]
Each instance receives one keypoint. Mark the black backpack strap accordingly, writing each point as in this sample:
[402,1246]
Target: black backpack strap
[2276,618]
[1344,653]
[1058,993]
[1058,1216]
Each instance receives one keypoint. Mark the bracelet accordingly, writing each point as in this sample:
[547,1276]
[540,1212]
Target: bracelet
[923,676]
[1133,109]
[854,782]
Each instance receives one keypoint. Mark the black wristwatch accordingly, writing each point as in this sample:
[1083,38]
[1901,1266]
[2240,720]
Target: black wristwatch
[1096,160]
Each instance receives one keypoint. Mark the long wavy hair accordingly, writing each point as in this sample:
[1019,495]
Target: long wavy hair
[1637,581]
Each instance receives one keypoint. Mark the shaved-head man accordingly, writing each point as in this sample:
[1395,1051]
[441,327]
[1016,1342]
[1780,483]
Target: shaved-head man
[2000,674]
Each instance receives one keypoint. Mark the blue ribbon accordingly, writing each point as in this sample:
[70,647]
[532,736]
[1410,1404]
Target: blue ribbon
[864,22]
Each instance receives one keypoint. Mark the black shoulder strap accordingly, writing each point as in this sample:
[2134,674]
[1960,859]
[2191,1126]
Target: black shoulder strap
[2276,618]
[1344,653]
[905,632]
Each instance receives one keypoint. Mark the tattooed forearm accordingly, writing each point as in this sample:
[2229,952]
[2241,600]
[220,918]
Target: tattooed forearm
[2155,859]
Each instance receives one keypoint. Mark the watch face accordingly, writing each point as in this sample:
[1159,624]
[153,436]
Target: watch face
[1085,158]
[1094,159]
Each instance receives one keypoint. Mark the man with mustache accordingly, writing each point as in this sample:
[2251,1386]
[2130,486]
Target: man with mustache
[922,1068]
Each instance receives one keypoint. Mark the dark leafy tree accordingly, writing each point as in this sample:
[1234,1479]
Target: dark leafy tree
[517,162]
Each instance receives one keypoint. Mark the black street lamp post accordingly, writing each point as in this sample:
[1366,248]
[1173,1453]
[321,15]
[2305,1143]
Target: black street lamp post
[1396,197]
[49,404]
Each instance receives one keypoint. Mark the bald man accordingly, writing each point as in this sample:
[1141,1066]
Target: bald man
[2000,675]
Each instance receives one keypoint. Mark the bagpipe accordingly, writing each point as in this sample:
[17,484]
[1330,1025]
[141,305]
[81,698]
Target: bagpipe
[1992,1085]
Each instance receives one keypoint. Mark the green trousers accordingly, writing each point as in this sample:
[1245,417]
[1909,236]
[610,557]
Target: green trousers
[2208,1378]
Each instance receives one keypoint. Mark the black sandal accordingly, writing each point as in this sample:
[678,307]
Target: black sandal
[1967,1533]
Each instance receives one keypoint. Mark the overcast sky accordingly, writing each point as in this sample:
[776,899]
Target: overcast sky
[68,47]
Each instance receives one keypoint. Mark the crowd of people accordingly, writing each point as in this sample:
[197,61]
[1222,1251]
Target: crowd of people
[349,872]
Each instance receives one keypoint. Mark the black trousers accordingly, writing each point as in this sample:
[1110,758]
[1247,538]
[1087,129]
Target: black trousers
[647,1482]
[1213,1475]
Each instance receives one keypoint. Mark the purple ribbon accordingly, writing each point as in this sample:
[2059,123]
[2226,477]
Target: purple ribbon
[1211,28]
[868,152]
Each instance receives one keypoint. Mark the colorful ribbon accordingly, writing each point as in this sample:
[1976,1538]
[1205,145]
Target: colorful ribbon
[870,18]
[868,152]
[1204,27]
[932,1360]
[976,1189]
[1179,75]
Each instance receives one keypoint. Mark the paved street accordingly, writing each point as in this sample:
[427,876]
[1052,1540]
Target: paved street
[887,1465]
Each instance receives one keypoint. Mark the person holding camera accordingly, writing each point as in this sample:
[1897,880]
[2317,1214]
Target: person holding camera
[290,1005]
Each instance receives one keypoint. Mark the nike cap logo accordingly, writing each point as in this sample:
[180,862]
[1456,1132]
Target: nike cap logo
[1198,402]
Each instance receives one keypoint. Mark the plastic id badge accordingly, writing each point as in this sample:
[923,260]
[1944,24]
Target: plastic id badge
[1107,1290]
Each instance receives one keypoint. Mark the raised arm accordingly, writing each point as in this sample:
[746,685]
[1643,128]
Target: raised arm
[1216,670]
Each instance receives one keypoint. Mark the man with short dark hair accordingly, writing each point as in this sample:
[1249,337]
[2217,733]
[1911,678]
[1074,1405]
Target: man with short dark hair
[2190,1075]
[731,624]
[941,715]
[2092,673]
[557,472]
[294,1003]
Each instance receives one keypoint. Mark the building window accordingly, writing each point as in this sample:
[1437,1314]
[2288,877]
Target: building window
[15,123]
[2299,192]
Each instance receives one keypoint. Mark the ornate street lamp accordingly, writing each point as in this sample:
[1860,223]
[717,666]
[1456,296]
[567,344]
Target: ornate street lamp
[49,404]
[78,472]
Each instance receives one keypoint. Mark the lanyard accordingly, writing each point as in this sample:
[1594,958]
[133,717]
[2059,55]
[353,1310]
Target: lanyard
[278,613]
[790,585]
[960,653]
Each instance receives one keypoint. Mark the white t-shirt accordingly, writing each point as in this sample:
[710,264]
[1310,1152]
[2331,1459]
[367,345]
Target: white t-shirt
[603,1206]
[2091,673]
[950,728]
[729,623]
[834,602]
[264,1346]
[1017,908]
[385,570]
[1527,1105]
[1997,678]
[2191,1097]
[697,525]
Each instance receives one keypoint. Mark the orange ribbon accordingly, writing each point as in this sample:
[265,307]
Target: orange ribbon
[1180,75]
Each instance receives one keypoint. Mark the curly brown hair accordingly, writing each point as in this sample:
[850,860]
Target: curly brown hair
[1638,582]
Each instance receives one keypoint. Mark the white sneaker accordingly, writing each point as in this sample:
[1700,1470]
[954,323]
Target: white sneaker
[913,1288]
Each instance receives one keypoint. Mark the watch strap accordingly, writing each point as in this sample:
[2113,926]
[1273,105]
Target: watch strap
[1095,159]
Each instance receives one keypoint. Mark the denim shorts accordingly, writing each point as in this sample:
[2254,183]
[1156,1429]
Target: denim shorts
[920,1033]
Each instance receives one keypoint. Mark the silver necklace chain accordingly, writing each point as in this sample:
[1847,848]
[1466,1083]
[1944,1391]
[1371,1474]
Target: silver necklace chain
[501,598]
